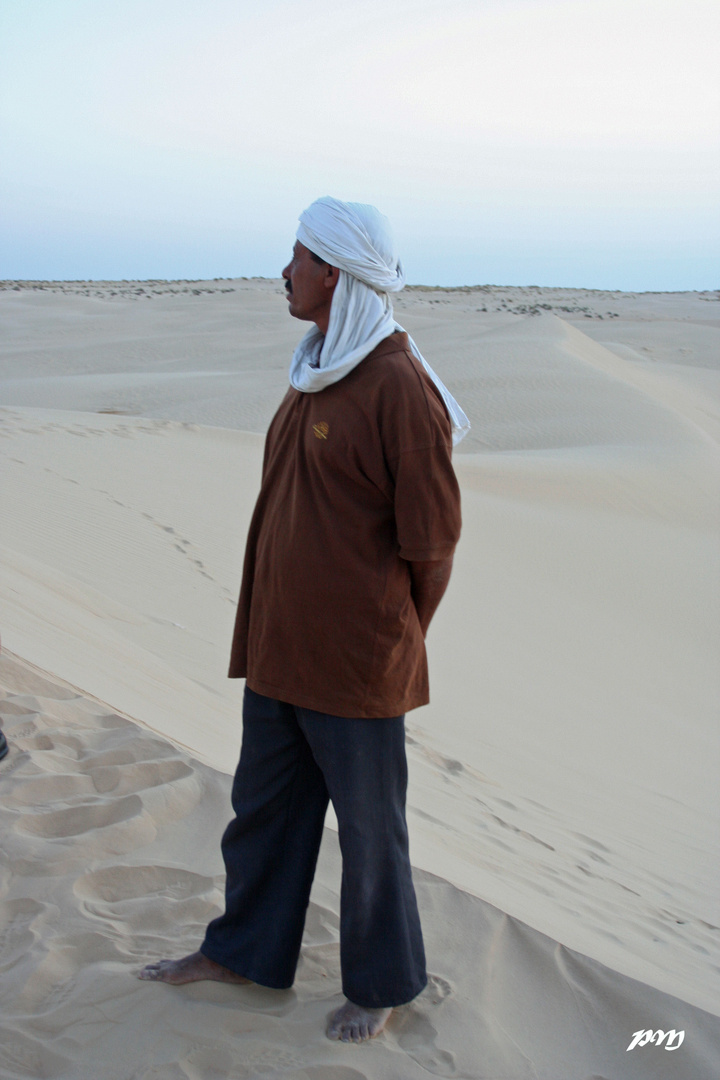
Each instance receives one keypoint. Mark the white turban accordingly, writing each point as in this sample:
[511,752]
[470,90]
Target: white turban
[358,240]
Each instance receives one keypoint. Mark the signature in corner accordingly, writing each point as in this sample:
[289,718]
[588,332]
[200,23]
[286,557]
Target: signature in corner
[643,1037]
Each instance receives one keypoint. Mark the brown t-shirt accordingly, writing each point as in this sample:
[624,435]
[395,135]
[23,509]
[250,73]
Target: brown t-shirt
[357,481]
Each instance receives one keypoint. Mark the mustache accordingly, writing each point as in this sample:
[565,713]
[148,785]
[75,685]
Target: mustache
[288,288]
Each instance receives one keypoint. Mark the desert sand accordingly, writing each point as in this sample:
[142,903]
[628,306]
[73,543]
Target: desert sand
[563,802]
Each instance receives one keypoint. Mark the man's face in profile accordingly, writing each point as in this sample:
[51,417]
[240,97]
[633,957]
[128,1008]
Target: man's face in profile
[309,285]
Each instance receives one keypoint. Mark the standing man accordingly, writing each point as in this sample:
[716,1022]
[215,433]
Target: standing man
[348,555]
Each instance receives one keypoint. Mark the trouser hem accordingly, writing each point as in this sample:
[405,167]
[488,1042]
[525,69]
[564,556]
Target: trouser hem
[246,973]
[390,1003]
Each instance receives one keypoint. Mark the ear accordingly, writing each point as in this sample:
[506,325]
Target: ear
[332,275]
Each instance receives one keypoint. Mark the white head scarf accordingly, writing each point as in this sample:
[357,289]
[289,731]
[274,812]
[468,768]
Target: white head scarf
[358,240]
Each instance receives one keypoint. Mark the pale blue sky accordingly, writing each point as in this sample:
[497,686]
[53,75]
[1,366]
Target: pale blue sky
[548,142]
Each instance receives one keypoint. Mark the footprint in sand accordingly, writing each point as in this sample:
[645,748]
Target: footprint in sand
[170,788]
[77,820]
[32,741]
[114,884]
[264,1060]
[89,830]
[44,791]
[415,1034]
[202,1064]
[14,708]
[138,777]
[18,930]
[150,906]
[437,990]
[6,874]
[65,747]
[24,1056]
[63,966]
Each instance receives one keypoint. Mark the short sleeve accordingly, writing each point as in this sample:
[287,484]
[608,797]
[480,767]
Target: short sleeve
[427,504]
[427,494]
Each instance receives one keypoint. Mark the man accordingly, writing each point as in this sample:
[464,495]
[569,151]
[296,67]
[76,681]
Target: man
[348,555]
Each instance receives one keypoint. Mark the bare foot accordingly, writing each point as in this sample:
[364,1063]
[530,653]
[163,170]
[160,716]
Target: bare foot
[352,1023]
[191,968]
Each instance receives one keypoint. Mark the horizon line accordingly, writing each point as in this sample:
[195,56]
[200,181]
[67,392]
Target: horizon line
[18,284]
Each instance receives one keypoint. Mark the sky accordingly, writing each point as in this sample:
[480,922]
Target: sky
[510,142]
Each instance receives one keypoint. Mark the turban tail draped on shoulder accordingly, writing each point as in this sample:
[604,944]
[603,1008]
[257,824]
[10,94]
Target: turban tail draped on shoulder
[358,240]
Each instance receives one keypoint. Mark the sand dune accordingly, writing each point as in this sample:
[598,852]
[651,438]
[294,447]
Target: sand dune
[110,855]
[563,778]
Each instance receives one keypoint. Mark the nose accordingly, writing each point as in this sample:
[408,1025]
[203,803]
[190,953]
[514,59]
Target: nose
[286,272]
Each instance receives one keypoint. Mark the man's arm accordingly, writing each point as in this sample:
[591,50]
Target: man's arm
[429,582]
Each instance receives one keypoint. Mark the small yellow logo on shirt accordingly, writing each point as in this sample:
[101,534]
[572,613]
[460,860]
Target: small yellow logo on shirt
[320,430]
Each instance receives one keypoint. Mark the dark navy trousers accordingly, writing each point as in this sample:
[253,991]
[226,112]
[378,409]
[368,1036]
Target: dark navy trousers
[292,761]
